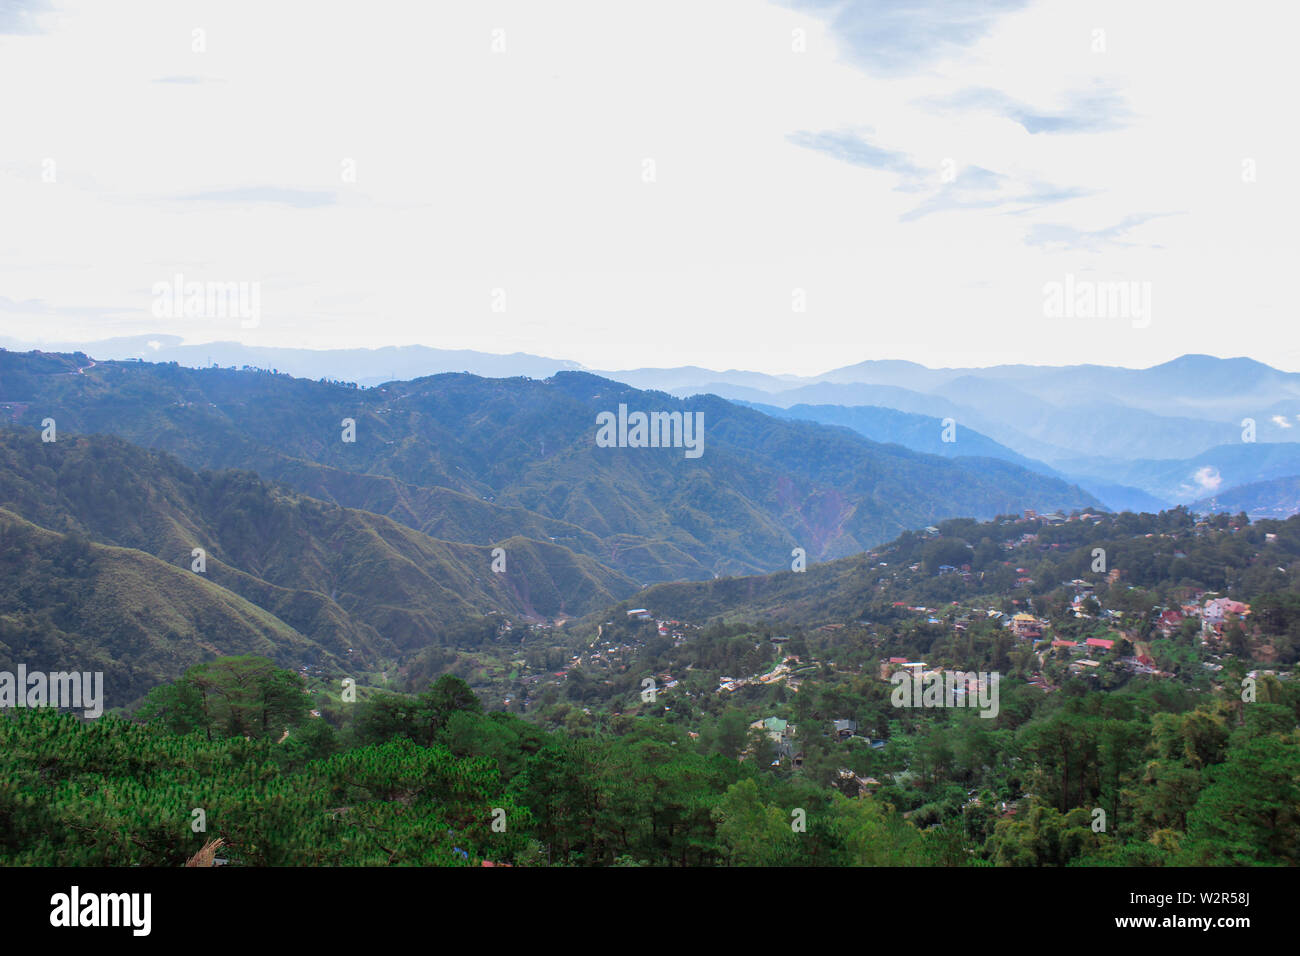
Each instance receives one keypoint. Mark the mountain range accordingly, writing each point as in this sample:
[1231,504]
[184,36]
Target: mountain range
[1132,438]
[162,515]
[233,564]
[354,528]
[475,460]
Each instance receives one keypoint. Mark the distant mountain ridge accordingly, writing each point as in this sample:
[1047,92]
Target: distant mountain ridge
[363,366]
[1276,498]
[917,432]
[1092,424]
[763,487]
[1184,480]
[1193,386]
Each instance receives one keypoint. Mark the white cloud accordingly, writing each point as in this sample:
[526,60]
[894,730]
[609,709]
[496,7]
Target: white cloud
[523,171]
[1208,478]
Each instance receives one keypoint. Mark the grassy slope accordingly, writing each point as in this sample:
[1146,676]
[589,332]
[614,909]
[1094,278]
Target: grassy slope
[69,604]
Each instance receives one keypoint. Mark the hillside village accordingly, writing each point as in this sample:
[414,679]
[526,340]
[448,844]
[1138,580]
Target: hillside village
[1093,627]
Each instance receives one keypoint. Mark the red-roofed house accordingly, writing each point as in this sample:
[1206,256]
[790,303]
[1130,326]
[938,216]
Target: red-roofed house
[1169,621]
[1218,610]
[1101,642]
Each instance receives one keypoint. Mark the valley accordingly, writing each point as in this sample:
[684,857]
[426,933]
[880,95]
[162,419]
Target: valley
[468,545]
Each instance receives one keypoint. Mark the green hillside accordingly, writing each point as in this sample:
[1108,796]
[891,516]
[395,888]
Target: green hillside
[361,586]
[760,488]
[69,604]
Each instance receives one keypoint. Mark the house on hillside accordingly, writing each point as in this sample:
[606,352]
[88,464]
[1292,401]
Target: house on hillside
[782,734]
[1026,626]
[888,667]
[1169,621]
[1218,612]
[851,781]
[1221,609]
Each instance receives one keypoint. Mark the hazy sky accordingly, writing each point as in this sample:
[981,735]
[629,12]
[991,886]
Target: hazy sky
[475,175]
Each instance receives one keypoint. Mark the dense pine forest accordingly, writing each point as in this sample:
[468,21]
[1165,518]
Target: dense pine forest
[432,780]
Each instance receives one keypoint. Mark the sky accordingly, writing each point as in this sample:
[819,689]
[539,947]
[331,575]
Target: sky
[786,187]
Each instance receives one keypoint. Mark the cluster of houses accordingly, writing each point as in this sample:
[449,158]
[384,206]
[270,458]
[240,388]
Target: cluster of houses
[786,671]
[1214,615]
[1089,655]
[892,665]
[673,629]
[786,747]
